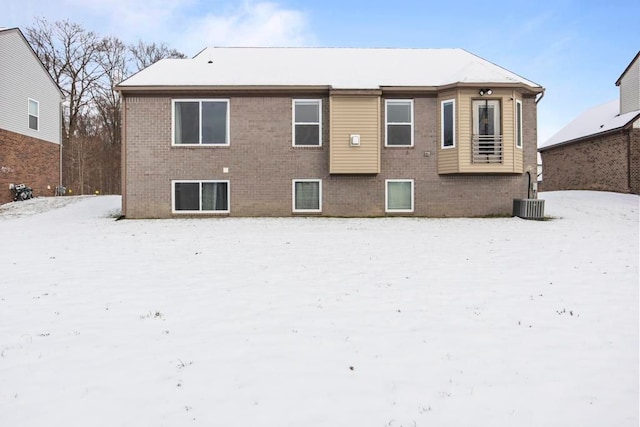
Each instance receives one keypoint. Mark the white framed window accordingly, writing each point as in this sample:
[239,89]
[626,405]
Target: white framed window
[518,123]
[398,195]
[200,122]
[307,195]
[307,122]
[34,114]
[398,123]
[448,123]
[190,196]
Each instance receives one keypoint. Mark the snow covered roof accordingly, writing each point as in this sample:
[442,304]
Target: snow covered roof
[597,120]
[339,68]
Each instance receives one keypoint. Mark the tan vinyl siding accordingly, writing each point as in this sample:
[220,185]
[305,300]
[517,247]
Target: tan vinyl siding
[460,160]
[22,77]
[354,115]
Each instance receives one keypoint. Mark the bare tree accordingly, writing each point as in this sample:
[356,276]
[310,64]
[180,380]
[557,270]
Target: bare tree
[71,54]
[145,54]
[86,68]
[114,63]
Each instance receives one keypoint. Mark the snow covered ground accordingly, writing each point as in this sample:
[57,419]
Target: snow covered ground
[319,322]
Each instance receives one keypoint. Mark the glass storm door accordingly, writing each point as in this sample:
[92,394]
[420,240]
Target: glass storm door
[486,118]
[487,134]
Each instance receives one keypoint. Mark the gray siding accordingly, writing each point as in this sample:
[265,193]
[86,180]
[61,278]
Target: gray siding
[22,77]
[630,89]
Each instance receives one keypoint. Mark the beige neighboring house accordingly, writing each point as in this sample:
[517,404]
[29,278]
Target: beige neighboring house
[30,119]
[600,149]
[327,131]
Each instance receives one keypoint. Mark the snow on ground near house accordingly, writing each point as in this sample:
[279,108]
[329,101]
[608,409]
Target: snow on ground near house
[320,322]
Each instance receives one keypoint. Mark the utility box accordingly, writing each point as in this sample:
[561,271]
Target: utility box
[528,208]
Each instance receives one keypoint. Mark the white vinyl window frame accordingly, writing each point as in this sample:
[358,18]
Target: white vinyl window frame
[518,130]
[386,196]
[444,103]
[293,196]
[200,182]
[32,105]
[294,122]
[200,143]
[387,123]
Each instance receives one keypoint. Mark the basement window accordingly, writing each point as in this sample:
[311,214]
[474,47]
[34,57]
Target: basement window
[307,195]
[398,195]
[200,196]
[201,122]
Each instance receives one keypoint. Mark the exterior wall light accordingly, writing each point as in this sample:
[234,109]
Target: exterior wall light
[484,92]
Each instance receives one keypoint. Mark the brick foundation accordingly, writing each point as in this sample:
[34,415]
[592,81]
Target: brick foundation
[28,160]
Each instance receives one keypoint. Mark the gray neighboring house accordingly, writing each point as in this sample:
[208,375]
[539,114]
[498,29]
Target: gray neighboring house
[30,119]
[600,149]
[327,131]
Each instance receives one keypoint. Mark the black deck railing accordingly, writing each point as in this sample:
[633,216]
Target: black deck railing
[487,149]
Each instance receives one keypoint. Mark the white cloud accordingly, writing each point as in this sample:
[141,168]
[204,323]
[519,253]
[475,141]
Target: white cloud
[191,25]
[186,25]
[250,24]
[149,20]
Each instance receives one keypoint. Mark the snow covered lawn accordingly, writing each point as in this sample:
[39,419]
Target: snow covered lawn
[319,322]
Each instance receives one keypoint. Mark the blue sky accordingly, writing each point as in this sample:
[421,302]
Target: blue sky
[576,49]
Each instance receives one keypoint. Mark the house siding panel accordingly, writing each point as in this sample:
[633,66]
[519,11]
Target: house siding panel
[459,160]
[630,89]
[261,164]
[355,115]
[23,77]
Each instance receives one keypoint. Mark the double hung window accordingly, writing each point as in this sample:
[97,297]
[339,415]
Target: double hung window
[307,122]
[399,122]
[201,122]
[200,196]
[34,114]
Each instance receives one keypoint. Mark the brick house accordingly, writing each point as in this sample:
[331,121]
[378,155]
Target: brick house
[30,119]
[600,149]
[327,131]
